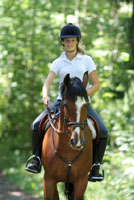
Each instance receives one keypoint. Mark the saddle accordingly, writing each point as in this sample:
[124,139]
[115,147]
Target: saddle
[45,123]
[92,124]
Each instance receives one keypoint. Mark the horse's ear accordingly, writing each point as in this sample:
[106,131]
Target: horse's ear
[67,80]
[85,79]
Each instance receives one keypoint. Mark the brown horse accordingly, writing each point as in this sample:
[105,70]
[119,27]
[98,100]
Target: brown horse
[67,145]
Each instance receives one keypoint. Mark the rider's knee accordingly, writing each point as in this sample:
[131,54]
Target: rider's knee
[103,132]
[35,126]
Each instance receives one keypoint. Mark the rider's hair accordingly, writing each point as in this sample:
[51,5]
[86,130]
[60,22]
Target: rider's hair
[79,50]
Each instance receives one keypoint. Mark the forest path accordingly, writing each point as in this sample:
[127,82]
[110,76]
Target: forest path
[13,192]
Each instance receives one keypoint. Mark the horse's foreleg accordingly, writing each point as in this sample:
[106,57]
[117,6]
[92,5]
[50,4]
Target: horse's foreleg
[56,195]
[79,188]
[50,189]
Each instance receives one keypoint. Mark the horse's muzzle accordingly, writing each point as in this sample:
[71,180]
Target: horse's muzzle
[77,143]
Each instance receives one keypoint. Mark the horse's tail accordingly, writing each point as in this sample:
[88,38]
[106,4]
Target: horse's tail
[69,190]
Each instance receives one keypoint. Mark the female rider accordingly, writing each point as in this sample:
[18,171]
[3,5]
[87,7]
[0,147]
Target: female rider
[74,62]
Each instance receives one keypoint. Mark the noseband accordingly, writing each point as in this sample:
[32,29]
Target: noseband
[75,124]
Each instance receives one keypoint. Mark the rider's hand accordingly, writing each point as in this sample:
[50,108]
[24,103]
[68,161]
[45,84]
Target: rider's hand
[46,101]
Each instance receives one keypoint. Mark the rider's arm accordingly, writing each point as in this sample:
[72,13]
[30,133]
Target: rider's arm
[95,83]
[46,87]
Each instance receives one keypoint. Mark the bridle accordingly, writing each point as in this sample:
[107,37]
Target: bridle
[67,132]
[75,124]
[67,123]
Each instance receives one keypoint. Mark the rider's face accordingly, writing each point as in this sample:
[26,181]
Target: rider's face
[70,44]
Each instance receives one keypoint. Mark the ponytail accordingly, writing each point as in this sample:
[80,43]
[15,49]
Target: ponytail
[79,50]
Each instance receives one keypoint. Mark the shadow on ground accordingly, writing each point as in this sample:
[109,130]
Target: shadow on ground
[12,192]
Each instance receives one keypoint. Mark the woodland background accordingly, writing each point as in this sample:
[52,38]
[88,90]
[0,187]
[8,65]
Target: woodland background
[29,42]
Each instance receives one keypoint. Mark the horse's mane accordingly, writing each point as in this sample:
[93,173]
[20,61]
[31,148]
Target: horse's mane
[75,89]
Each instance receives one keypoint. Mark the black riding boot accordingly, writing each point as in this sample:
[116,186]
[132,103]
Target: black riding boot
[35,166]
[98,153]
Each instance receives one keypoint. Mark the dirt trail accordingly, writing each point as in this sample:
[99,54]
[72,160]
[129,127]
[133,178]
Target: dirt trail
[12,192]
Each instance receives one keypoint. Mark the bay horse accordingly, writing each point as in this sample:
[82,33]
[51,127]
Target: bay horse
[67,144]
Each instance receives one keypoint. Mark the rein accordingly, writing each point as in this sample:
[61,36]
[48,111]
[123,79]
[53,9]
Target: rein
[75,124]
[55,118]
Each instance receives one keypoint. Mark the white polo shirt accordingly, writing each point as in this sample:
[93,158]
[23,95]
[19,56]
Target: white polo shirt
[76,68]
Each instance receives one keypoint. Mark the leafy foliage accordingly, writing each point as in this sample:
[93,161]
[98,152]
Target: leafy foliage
[29,42]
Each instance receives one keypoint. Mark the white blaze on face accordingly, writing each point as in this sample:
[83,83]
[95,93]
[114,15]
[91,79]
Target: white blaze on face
[79,103]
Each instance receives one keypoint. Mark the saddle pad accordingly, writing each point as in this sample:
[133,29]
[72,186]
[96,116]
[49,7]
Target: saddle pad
[92,128]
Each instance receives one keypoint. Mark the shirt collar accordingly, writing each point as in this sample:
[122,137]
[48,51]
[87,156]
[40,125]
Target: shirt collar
[63,56]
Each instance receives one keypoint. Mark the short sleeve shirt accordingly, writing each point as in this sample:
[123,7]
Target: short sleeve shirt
[76,68]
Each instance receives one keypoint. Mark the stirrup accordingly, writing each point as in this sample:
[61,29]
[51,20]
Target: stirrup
[32,170]
[100,168]
[94,178]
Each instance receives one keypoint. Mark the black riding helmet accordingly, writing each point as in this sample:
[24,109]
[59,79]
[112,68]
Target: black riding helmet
[69,31]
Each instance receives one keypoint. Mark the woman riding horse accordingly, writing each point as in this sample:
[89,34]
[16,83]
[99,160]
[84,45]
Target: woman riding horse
[76,63]
[67,145]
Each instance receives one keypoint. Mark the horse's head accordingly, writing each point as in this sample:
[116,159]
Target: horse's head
[75,106]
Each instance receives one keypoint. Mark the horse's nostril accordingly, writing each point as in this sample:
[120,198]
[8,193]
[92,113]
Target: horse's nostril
[73,142]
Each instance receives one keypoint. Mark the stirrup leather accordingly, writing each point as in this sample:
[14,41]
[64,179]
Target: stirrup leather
[32,170]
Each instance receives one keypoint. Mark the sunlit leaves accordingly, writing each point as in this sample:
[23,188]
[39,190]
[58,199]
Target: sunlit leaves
[29,42]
